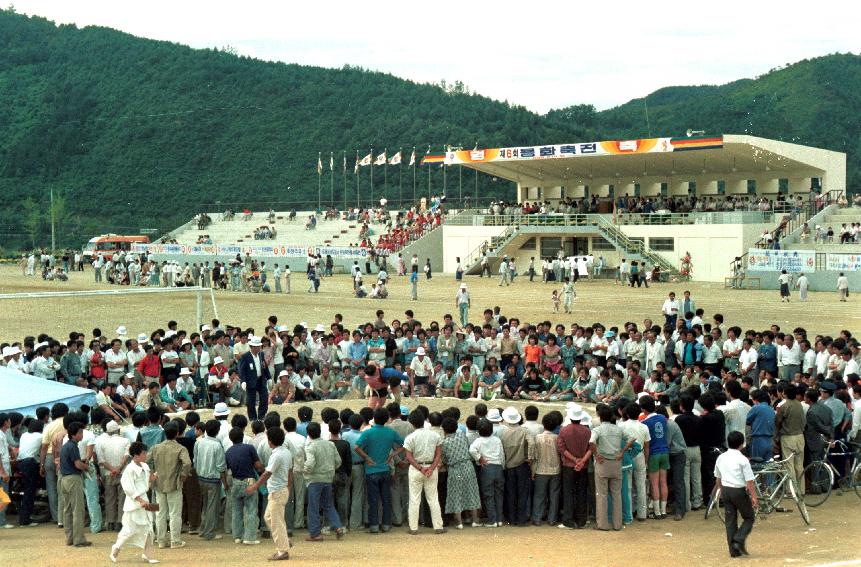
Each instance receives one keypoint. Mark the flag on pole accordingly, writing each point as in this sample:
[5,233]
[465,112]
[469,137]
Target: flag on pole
[413,158]
[381,159]
[366,160]
[432,159]
[331,161]
[395,159]
[319,163]
[345,162]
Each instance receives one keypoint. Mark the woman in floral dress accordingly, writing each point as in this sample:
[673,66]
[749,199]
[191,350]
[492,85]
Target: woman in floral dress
[462,486]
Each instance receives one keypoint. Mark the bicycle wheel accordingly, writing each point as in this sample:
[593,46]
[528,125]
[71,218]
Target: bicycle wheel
[770,492]
[714,505]
[799,501]
[820,479]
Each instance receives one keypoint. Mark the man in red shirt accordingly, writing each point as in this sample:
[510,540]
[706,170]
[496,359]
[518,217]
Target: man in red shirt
[150,365]
[573,444]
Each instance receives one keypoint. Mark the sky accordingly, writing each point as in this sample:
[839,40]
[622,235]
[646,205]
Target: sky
[538,54]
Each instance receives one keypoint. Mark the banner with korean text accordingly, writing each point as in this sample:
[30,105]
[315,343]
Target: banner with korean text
[843,262]
[793,261]
[254,251]
[606,148]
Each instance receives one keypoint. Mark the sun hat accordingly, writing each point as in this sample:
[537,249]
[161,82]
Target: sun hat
[574,412]
[320,328]
[186,342]
[221,409]
[511,415]
[121,330]
[283,373]
[463,286]
[420,351]
[218,360]
[405,410]
[255,341]
[112,427]
[493,415]
[142,338]
[185,372]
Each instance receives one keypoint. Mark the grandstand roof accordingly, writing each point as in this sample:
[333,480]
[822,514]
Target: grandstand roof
[701,156]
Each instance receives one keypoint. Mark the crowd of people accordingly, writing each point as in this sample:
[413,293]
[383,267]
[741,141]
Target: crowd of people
[668,399]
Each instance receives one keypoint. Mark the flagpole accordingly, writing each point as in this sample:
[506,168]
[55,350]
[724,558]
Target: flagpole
[385,172]
[356,172]
[345,180]
[414,175]
[476,188]
[332,175]
[429,175]
[319,179]
[460,183]
[400,178]
[373,159]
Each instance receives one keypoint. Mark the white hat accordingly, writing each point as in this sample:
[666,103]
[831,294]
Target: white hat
[185,372]
[205,328]
[142,338]
[170,334]
[493,415]
[186,341]
[7,351]
[283,373]
[320,328]
[463,286]
[121,330]
[130,374]
[574,411]
[13,350]
[218,360]
[112,427]
[255,341]
[221,409]
[420,351]
[37,346]
[511,415]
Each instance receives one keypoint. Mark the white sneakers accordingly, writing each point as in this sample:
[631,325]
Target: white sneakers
[233,402]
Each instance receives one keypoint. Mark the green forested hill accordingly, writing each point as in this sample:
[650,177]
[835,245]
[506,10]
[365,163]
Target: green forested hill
[133,133]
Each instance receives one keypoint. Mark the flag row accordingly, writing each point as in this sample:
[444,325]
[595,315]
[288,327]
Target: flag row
[380,159]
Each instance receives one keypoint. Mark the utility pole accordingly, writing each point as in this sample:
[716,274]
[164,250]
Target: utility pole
[53,234]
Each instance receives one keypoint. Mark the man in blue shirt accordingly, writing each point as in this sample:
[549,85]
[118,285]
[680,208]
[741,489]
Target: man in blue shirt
[766,359]
[243,462]
[760,418]
[357,351]
[72,486]
[357,472]
[658,457]
[376,446]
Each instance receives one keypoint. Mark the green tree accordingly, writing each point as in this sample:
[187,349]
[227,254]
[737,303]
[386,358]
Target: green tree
[32,220]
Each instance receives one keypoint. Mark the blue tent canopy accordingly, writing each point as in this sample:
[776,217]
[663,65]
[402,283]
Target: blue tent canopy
[23,393]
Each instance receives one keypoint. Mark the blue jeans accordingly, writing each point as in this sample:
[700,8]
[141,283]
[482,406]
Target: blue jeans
[320,494]
[91,493]
[244,517]
[379,487]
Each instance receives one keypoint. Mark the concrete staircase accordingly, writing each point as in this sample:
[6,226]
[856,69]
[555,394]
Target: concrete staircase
[833,217]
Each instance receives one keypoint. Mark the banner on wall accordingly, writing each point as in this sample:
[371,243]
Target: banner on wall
[793,261]
[606,148]
[843,262]
[254,251]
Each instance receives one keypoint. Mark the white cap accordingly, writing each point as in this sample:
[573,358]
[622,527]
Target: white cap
[493,415]
[255,341]
[186,341]
[283,373]
[217,360]
[463,286]
[320,328]
[170,334]
[121,330]
[511,415]
[185,372]
[221,409]
[420,351]
[205,328]
[142,338]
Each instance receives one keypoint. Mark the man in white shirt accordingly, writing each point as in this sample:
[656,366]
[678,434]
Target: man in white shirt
[639,432]
[808,357]
[747,361]
[420,371]
[670,309]
[789,358]
[734,478]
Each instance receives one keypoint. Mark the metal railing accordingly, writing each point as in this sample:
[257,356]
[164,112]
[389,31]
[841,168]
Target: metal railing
[470,218]
[631,246]
[490,246]
[815,203]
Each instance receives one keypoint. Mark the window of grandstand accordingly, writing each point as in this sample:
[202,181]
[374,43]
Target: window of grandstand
[601,244]
[692,187]
[721,187]
[612,191]
[662,244]
[751,186]
[636,189]
[529,244]
[783,186]
[550,246]
[665,188]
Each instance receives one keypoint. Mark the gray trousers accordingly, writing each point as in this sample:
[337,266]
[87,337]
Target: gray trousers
[72,489]
[492,484]
[693,478]
[210,494]
[545,497]
[608,481]
[677,470]
[114,498]
[358,513]
[295,511]
[341,487]
[400,495]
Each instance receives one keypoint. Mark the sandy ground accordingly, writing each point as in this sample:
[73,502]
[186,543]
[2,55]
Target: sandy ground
[781,539]
[596,301]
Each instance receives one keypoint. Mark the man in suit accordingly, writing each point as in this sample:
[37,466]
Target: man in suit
[255,374]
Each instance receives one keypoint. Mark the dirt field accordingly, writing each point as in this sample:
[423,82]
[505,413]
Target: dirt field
[782,539]
[596,301]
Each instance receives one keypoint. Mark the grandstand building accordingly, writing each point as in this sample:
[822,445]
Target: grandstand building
[773,188]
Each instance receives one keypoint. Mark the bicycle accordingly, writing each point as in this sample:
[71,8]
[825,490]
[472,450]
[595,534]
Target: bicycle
[820,475]
[772,482]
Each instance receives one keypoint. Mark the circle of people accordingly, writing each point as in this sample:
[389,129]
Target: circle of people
[667,399]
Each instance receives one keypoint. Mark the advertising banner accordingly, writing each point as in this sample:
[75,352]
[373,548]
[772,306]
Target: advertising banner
[793,261]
